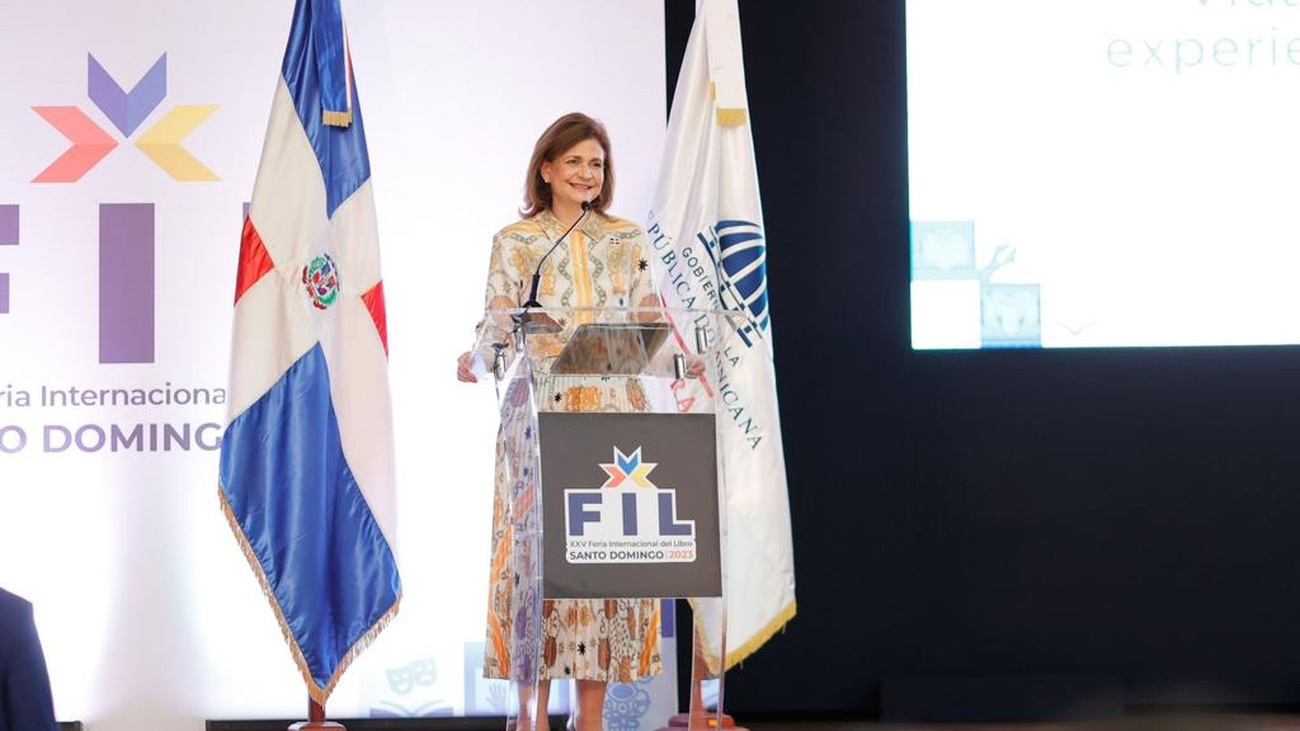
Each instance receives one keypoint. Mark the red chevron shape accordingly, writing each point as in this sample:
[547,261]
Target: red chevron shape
[90,143]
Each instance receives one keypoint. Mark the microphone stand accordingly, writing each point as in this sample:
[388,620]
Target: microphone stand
[540,322]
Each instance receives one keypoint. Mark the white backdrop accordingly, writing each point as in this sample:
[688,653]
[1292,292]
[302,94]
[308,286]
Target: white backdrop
[148,611]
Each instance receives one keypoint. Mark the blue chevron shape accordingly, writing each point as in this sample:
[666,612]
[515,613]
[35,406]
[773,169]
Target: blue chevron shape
[628,462]
[126,110]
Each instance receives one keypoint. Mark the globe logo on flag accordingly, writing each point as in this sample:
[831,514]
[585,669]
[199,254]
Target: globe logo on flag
[743,262]
[321,279]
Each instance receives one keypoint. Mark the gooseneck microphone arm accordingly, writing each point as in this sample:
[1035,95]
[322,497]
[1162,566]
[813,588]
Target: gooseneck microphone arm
[537,273]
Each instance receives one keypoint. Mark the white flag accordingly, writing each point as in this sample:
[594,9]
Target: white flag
[707,230]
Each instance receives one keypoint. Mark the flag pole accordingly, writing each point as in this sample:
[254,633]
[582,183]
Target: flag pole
[708,191]
[331,493]
[697,717]
[315,718]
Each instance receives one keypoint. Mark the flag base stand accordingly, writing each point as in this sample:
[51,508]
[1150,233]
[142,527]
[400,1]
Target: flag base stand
[700,718]
[316,722]
[701,721]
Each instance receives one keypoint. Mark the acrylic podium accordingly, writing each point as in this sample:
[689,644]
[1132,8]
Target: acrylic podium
[609,482]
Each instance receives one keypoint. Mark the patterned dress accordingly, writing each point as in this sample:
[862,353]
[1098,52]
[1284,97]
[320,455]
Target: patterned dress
[603,263]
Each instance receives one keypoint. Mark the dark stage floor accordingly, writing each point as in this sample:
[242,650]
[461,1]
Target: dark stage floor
[1142,722]
[1147,721]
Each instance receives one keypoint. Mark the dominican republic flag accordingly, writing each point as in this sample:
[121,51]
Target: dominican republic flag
[707,204]
[307,458]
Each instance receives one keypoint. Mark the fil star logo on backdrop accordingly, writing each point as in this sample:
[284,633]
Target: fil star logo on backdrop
[628,519]
[126,230]
[126,110]
[90,413]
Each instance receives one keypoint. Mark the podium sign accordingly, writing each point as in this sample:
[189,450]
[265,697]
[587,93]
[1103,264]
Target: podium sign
[629,505]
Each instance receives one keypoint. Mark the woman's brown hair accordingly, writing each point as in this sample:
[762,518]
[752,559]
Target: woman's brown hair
[562,135]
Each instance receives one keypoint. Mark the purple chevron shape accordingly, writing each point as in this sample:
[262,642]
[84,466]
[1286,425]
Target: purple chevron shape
[127,110]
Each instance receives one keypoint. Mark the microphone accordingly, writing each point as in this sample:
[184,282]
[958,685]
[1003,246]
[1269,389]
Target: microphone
[537,273]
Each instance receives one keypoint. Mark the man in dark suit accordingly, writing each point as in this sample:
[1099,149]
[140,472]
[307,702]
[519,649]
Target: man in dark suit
[25,700]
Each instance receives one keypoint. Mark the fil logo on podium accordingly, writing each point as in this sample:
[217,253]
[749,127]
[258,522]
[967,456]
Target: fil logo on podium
[628,519]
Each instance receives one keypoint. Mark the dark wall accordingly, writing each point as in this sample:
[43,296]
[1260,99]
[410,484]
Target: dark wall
[1127,513]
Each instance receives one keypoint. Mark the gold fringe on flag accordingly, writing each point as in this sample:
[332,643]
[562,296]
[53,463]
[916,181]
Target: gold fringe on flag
[317,693]
[337,119]
[737,655]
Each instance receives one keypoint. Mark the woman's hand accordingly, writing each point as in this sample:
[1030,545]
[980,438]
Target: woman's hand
[694,366]
[463,372]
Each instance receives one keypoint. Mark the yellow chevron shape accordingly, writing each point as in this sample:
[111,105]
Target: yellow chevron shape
[162,143]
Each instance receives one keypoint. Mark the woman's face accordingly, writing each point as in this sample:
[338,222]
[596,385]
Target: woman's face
[576,175]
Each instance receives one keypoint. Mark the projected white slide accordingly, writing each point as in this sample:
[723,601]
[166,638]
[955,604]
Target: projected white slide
[1104,173]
